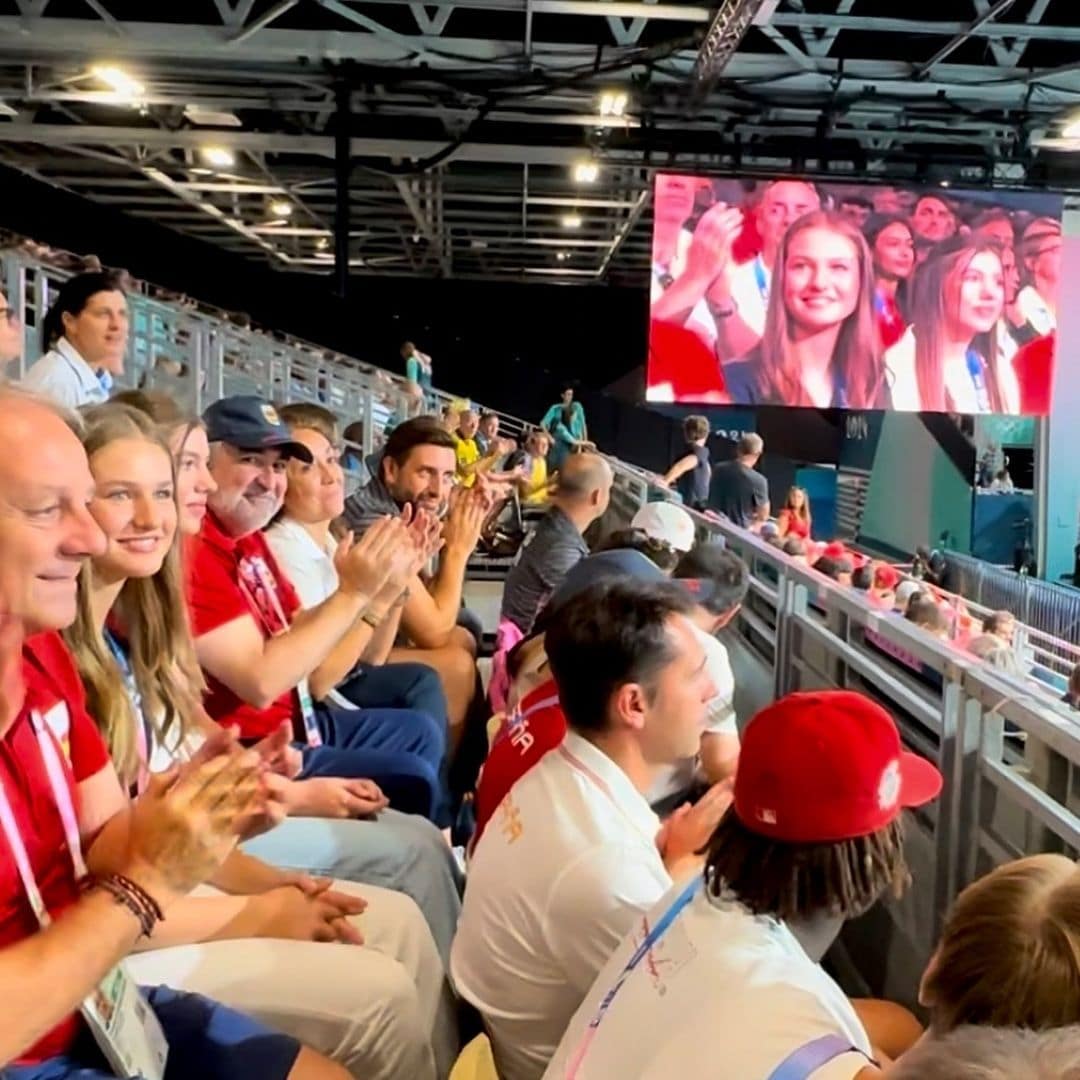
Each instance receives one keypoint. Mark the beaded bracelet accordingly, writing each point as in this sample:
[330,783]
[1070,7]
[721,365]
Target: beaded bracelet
[132,896]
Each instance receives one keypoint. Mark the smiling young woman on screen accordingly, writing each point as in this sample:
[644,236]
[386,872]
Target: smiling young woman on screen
[949,359]
[821,346]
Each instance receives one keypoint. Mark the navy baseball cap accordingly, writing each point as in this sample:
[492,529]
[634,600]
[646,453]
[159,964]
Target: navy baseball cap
[249,423]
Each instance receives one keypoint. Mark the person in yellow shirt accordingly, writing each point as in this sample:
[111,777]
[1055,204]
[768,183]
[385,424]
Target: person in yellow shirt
[535,485]
[468,451]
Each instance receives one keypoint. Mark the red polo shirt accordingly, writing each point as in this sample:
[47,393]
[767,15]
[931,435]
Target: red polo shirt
[54,689]
[227,579]
[535,727]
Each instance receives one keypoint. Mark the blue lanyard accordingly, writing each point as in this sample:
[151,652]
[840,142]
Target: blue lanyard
[810,1057]
[975,370]
[134,696]
[660,928]
[761,279]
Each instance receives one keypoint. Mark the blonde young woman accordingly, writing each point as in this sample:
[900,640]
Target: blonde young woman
[363,843]
[375,983]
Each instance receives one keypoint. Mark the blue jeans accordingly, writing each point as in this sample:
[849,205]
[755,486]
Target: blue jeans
[206,1040]
[401,750]
[397,686]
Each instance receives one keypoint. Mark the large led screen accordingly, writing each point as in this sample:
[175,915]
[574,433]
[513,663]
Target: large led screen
[853,296]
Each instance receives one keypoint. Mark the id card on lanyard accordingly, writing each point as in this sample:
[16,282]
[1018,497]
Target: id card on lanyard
[118,1016]
[264,580]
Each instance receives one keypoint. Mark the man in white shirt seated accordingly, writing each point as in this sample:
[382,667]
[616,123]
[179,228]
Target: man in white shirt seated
[573,856]
[713,971]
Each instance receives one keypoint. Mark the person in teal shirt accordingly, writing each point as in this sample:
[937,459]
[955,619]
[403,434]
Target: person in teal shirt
[418,372]
[565,421]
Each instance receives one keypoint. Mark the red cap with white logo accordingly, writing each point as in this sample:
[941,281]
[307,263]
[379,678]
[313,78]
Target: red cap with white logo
[825,766]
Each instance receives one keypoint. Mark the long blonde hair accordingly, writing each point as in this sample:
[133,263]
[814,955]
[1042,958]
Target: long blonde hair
[1010,952]
[153,617]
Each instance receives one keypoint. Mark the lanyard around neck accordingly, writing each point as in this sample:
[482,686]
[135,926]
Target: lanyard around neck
[65,806]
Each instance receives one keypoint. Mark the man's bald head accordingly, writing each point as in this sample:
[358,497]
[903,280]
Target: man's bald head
[584,488]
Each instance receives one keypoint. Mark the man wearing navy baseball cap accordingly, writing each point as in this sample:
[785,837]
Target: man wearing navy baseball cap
[815,830]
[258,651]
[247,422]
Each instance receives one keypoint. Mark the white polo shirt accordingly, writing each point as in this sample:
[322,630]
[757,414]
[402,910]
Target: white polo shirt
[720,714]
[566,865]
[721,993]
[67,378]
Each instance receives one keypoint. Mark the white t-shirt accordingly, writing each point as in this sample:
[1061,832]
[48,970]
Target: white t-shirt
[309,567]
[720,719]
[565,867]
[721,993]
[67,378]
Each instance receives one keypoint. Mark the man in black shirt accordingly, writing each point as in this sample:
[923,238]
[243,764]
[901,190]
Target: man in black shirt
[691,473]
[737,491]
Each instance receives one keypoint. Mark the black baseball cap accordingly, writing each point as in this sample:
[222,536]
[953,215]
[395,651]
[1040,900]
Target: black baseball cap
[249,423]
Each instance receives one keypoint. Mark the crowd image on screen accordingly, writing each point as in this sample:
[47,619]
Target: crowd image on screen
[787,292]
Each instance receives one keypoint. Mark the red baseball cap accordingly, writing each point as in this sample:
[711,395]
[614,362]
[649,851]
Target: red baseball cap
[886,576]
[825,766]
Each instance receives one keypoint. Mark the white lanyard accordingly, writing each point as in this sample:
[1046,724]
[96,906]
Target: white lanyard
[66,809]
[269,586]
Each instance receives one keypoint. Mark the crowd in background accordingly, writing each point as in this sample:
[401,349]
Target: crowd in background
[787,292]
[242,727]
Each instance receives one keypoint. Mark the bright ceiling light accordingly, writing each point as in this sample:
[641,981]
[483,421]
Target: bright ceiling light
[125,86]
[1072,129]
[586,172]
[198,114]
[562,256]
[221,157]
[322,243]
[613,103]
[571,221]
[280,208]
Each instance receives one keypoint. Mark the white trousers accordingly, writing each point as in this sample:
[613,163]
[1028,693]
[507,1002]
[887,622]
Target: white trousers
[383,1009]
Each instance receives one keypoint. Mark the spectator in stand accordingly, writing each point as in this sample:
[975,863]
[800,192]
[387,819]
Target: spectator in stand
[85,334]
[927,615]
[949,359]
[794,519]
[856,208]
[886,580]
[995,224]
[1040,259]
[692,472]
[377,1006]
[11,333]
[820,346]
[535,486]
[417,469]
[908,592]
[980,1053]
[63,932]
[737,490]
[394,850]
[993,651]
[668,528]
[467,448]
[574,854]
[1002,624]
[565,423]
[558,541]
[417,371]
[1008,953]
[487,433]
[353,455]
[892,244]
[933,220]
[257,655]
[796,550]
[862,578]
[356,673]
[801,843]
[839,567]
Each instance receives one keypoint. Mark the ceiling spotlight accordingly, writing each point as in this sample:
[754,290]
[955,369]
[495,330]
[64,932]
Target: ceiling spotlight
[322,243]
[572,221]
[562,256]
[221,157]
[122,84]
[586,172]
[613,103]
[944,183]
[1071,130]
[281,208]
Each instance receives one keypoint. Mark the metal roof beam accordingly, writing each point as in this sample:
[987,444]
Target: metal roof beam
[988,15]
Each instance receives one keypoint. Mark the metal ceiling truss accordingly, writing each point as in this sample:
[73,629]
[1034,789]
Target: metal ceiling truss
[469,116]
